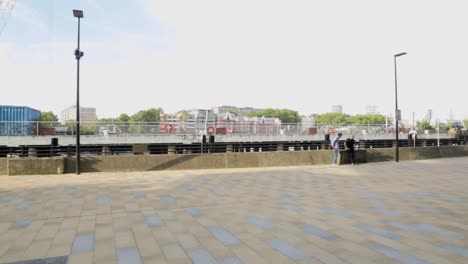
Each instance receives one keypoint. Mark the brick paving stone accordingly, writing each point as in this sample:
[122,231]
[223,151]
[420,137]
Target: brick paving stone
[406,212]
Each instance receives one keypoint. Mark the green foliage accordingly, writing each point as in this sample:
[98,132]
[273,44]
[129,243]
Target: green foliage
[332,118]
[285,115]
[423,125]
[447,126]
[150,115]
[344,119]
[465,123]
[124,118]
[49,119]
[367,119]
[106,120]
[48,116]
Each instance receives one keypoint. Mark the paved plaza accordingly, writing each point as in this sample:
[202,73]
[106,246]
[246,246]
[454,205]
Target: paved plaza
[408,212]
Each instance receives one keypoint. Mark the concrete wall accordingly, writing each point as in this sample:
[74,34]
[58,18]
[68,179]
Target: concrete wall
[33,166]
[360,156]
[199,161]
[388,154]
[3,166]
[30,166]
[147,162]
[282,158]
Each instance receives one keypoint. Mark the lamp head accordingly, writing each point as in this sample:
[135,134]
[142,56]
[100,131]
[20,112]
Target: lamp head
[400,54]
[78,13]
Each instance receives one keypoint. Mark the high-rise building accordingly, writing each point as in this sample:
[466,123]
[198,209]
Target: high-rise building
[87,114]
[337,109]
[372,109]
[428,116]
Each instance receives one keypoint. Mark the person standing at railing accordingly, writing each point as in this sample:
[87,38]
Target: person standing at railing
[335,144]
[349,147]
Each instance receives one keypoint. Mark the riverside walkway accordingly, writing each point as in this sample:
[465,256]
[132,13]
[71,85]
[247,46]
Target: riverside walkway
[408,212]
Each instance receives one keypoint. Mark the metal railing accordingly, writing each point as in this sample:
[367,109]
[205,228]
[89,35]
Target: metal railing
[218,147]
[37,128]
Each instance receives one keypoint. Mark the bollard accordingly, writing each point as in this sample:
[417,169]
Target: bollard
[171,149]
[229,148]
[105,151]
[32,152]
[279,147]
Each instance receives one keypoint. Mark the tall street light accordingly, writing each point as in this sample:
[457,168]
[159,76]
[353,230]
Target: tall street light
[78,54]
[397,112]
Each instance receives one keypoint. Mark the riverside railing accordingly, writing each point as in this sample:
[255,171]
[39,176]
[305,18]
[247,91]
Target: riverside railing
[41,128]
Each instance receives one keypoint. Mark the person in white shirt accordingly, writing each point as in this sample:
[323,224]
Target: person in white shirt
[335,144]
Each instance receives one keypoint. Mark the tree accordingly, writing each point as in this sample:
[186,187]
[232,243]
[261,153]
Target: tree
[371,119]
[150,115]
[332,118]
[465,123]
[425,125]
[48,119]
[447,126]
[123,118]
[285,115]
[344,119]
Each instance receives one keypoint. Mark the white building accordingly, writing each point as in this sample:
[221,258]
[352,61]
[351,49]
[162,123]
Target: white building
[372,109]
[307,122]
[199,119]
[87,114]
[240,111]
[337,109]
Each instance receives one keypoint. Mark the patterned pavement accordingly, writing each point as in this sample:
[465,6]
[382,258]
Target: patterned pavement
[408,212]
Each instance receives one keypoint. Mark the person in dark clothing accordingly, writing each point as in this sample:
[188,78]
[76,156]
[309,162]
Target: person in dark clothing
[349,146]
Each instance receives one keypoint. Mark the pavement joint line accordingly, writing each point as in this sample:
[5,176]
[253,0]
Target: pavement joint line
[137,211]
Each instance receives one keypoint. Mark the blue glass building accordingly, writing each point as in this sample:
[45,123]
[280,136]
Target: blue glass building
[18,120]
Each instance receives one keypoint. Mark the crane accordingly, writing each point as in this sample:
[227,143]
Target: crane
[6,7]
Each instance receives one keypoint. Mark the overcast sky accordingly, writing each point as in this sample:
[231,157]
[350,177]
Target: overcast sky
[300,54]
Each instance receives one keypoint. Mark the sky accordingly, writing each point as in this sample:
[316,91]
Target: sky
[303,55]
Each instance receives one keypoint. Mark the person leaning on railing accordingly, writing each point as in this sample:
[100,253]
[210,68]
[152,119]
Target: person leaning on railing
[335,144]
[349,146]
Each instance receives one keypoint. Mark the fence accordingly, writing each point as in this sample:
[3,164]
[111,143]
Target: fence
[218,147]
[37,128]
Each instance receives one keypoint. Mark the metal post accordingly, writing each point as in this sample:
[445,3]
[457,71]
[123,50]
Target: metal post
[396,113]
[386,124]
[78,54]
[397,154]
[78,104]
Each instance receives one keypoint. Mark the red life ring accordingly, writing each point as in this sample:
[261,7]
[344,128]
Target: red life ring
[168,128]
[229,130]
[211,130]
[330,130]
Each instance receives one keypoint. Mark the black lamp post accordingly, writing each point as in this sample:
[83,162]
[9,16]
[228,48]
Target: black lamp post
[397,112]
[78,54]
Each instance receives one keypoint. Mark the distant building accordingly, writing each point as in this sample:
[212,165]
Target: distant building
[18,120]
[249,125]
[197,120]
[428,116]
[307,122]
[239,111]
[372,110]
[337,109]
[87,114]
[172,119]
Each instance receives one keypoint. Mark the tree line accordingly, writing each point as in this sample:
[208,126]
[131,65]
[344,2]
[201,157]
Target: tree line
[285,115]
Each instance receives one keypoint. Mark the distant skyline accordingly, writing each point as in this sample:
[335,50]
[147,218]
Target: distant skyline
[300,54]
